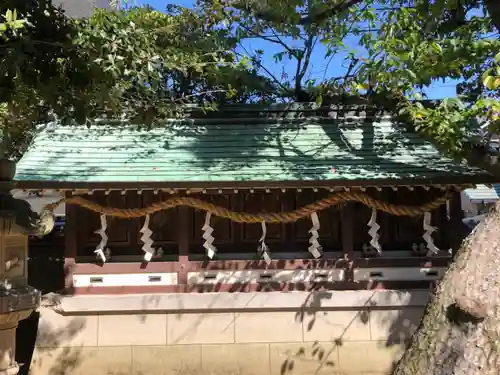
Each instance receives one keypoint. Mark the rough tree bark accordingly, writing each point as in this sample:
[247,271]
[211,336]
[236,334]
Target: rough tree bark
[460,332]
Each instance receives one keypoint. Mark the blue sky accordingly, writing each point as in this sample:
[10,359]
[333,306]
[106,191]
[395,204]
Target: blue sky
[320,66]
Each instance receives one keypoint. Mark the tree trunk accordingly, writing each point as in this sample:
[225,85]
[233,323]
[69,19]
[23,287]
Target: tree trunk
[460,332]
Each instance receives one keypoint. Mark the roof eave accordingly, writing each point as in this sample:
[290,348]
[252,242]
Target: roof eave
[71,185]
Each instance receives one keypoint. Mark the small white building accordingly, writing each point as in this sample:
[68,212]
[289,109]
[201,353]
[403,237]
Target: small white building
[477,202]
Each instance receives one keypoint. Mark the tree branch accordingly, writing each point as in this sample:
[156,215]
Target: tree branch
[310,19]
[298,79]
[309,47]
[283,44]
[268,38]
[317,18]
[493,7]
[271,75]
[303,65]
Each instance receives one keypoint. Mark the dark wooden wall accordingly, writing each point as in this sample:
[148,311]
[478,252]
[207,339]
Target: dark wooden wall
[46,262]
[396,233]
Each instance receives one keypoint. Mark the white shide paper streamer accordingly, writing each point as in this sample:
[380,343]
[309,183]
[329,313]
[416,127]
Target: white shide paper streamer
[99,251]
[373,232]
[427,236]
[315,247]
[103,255]
[207,236]
[263,248]
[147,240]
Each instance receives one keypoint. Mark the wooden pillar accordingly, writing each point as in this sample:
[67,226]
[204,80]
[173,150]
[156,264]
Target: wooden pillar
[132,199]
[287,205]
[347,234]
[183,245]
[456,227]
[70,243]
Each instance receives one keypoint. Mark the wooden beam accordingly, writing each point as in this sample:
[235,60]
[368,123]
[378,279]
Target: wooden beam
[288,204]
[241,265]
[133,226]
[71,236]
[445,181]
[183,245]
[347,236]
[456,228]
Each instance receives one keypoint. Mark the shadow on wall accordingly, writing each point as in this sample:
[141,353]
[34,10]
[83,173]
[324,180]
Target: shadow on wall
[25,341]
[398,326]
[46,273]
[49,337]
[47,346]
[54,355]
[388,329]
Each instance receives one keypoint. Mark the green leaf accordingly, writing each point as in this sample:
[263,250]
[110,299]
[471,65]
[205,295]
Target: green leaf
[489,82]
[496,84]
[497,58]
[420,114]
[18,24]
[9,16]
[319,99]
[411,73]
[278,57]
[362,86]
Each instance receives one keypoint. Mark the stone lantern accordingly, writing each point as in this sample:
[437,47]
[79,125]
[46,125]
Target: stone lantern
[17,299]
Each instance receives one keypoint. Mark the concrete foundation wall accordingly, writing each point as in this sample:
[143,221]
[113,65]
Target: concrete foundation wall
[327,333]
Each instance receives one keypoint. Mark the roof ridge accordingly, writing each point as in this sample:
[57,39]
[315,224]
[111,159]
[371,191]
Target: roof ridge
[266,115]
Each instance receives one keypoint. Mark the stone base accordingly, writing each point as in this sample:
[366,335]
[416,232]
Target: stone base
[8,365]
[347,340]
[8,325]
[12,318]
[12,370]
[362,358]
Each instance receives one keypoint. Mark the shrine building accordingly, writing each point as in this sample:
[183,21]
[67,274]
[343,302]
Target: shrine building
[242,240]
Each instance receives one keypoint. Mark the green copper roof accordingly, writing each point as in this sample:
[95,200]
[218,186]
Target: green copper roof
[240,148]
